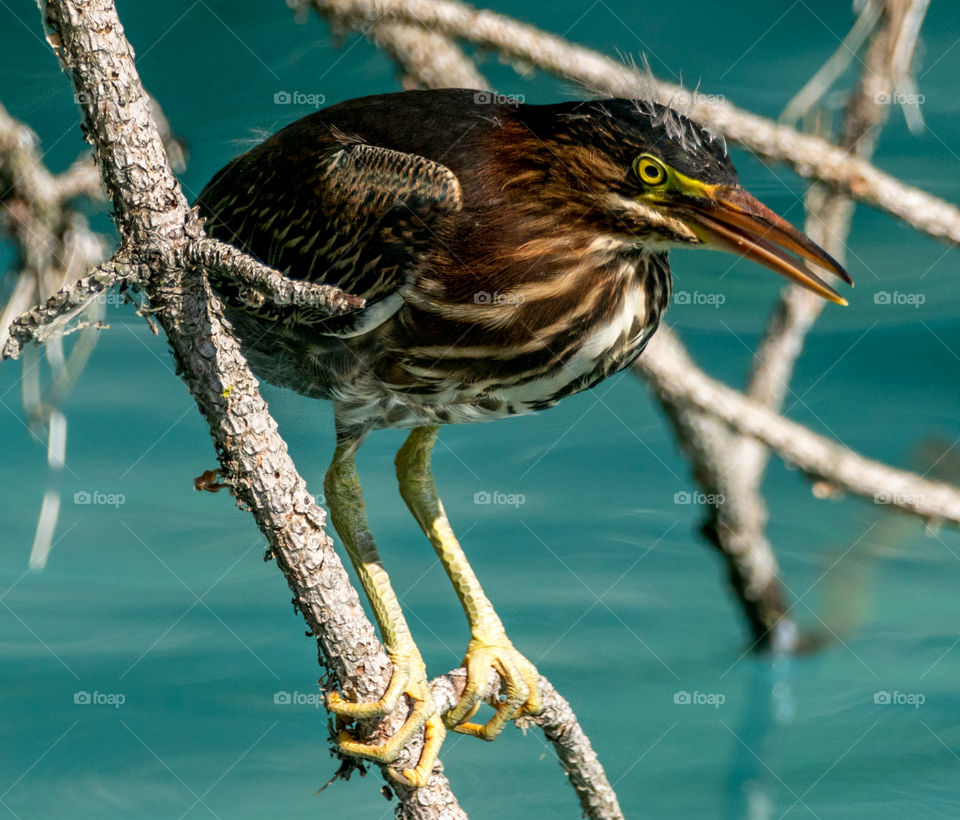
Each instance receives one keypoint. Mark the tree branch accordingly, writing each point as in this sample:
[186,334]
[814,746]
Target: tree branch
[157,224]
[257,284]
[560,726]
[671,371]
[730,466]
[260,283]
[51,318]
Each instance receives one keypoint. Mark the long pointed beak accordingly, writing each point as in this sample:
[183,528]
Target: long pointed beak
[732,220]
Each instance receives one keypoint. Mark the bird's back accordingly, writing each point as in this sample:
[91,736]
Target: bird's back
[478,306]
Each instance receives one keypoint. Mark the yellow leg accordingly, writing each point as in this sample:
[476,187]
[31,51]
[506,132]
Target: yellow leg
[345,500]
[489,646]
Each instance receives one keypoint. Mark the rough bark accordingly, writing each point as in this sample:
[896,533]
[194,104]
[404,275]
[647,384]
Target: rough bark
[157,224]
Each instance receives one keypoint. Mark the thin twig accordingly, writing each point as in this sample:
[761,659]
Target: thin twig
[260,283]
[561,728]
[44,321]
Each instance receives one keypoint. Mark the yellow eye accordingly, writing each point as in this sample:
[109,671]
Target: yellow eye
[649,170]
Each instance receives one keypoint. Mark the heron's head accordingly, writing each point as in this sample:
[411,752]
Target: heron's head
[645,173]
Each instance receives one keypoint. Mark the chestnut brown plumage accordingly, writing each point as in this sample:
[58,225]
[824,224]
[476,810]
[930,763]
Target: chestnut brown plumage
[509,255]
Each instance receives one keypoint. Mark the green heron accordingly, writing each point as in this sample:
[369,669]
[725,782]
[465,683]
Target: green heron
[509,255]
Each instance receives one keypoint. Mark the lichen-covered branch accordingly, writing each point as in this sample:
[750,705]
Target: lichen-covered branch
[808,155]
[43,321]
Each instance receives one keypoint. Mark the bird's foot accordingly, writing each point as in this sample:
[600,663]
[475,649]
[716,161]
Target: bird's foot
[520,679]
[410,679]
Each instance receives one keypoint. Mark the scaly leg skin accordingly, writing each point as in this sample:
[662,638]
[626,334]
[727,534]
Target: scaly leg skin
[489,646]
[345,500]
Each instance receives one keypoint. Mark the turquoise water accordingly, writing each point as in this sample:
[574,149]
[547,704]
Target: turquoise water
[163,600]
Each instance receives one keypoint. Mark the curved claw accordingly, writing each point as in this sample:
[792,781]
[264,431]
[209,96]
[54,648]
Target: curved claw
[409,678]
[521,683]
[433,734]
[387,704]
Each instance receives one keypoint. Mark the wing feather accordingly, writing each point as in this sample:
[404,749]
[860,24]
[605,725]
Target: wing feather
[336,211]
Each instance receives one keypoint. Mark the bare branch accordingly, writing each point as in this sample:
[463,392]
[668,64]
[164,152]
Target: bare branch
[54,247]
[730,466]
[671,372]
[49,319]
[560,726]
[828,223]
[80,179]
[260,283]
[157,225]
[814,89]
[737,462]
[430,60]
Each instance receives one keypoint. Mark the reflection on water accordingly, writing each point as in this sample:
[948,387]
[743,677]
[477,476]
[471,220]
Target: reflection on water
[846,596]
